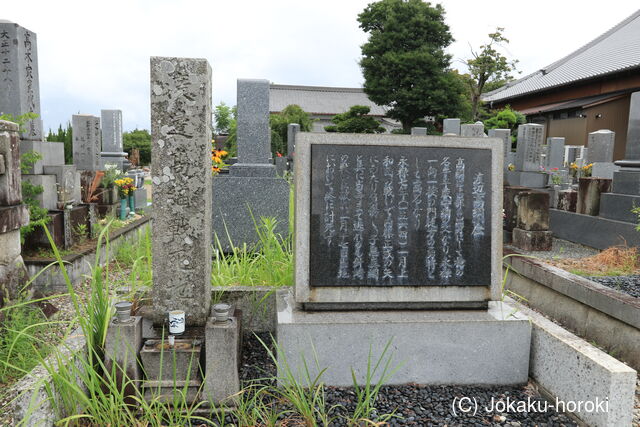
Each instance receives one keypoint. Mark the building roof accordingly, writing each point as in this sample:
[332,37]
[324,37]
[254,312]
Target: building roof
[320,100]
[615,51]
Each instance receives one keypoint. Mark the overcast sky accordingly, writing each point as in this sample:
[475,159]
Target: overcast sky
[95,55]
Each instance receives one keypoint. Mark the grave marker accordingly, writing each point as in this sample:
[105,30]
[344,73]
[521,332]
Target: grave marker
[112,139]
[600,144]
[451,127]
[19,82]
[181,167]
[555,152]
[505,136]
[86,142]
[475,130]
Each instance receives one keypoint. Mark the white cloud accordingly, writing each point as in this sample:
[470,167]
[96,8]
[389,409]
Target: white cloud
[95,56]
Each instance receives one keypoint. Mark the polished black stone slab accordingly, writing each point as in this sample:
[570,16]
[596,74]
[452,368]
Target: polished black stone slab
[400,216]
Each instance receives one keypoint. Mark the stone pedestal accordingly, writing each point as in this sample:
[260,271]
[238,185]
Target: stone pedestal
[114,158]
[475,130]
[451,127]
[222,360]
[52,154]
[532,240]
[526,179]
[122,346]
[480,347]
[589,192]
[567,200]
[510,194]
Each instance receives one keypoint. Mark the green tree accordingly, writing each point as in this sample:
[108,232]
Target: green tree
[505,118]
[488,69]
[140,139]
[223,115]
[404,63]
[355,121]
[280,123]
[65,136]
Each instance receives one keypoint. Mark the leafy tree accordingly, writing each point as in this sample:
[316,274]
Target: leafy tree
[404,63]
[280,123]
[223,115]
[65,136]
[140,139]
[505,118]
[355,121]
[488,69]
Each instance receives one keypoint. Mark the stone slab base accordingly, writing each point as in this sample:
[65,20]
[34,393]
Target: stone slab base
[626,182]
[171,391]
[525,179]
[240,202]
[485,347]
[594,231]
[619,206]
[532,240]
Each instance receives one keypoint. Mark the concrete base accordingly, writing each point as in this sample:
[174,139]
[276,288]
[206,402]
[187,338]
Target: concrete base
[122,346]
[172,391]
[525,179]
[626,182]
[240,202]
[619,206]
[532,240]
[593,231]
[222,360]
[485,347]
[52,154]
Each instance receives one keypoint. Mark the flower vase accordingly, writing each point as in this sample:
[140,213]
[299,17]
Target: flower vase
[132,203]
[123,209]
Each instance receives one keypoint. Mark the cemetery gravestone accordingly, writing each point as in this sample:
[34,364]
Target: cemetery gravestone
[388,226]
[86,142]
[418,131]
[505,136]
[112,139]
[601,144]
[555,152]
[475,130]
[625,193]
[181,167]
[451,127]
[292,131]
[528,159]
[251,190]
[19,81]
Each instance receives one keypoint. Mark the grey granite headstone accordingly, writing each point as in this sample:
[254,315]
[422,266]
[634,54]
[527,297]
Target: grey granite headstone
[86,142]
[505,136]
[111,130]
[182,197]
[600,144]
[19,82]
[632,149]
[253,132]
[475,130]
[66,177]
[555,152]
[292,130]
[250,191]
[418,131]
[528,149]
[451,126]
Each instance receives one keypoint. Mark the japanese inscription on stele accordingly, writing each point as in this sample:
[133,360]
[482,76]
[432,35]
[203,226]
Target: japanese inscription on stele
[395,215]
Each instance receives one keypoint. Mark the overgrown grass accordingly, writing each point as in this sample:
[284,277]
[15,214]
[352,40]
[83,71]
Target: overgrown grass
[269,264]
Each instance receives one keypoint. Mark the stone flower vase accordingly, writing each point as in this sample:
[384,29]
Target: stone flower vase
[132,203]
[123,209]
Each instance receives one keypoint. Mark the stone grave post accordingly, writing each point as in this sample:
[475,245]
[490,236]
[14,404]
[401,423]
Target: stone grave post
[625,190]
[395,236]
[86,142]
[251,190]
[292,131]
[600,145]
[527,164]
[505,136]
[555,152]
[475,130]
[112,139]
[418,131]
[19,81]
[451,127]
[13,214]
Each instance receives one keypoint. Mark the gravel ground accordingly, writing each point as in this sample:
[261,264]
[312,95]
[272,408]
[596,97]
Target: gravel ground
[630,285]
[561,249]
[420,405]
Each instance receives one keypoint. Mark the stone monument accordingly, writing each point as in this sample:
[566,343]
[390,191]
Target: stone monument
[418,131]
[505,136]
[251,190]
[475,130]
[19,81]
[528,158]
[112,139]
[600,154]
[399,239]
[13,214]
[625,191]
[451,127]
[86,142]
[555,153]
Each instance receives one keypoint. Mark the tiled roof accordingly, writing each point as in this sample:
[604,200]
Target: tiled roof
[320,100]
[614,51]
